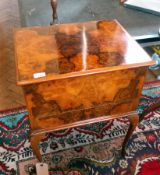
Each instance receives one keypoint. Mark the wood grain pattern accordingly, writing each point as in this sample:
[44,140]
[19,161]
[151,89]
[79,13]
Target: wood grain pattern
[11,96]
[92,71]
[60,102]
[38,135]
[70,50]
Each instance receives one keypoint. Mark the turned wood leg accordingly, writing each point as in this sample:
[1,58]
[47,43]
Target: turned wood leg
[35,139]
[54,9]
[134,120]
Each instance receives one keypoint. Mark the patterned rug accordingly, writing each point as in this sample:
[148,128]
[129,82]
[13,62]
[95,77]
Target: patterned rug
[88,150]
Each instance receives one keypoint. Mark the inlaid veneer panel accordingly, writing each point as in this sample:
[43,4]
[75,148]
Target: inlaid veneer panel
[75,49]
[65,101]
[76,74]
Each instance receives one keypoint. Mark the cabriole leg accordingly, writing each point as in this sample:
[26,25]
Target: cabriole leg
[134,120]
[35,139]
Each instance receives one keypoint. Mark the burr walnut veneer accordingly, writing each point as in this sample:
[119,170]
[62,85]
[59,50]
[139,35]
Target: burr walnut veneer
[74,74]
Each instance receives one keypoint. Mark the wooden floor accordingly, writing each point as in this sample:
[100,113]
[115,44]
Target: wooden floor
[10,95]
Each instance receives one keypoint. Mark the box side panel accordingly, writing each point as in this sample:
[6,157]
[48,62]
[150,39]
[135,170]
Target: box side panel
[59,102]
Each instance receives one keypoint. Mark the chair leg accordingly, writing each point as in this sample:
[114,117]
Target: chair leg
[134,120]
[54,9]
[35,139]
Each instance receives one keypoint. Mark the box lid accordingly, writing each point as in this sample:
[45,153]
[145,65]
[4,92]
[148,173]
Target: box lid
[76,49]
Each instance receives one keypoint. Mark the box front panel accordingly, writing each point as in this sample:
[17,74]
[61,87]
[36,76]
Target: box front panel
[59,102]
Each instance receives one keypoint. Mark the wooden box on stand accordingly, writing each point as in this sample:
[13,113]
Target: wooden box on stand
[78,73]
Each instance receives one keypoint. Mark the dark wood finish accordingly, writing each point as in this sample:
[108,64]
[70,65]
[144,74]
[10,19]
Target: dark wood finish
[54,9]
[89,70]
